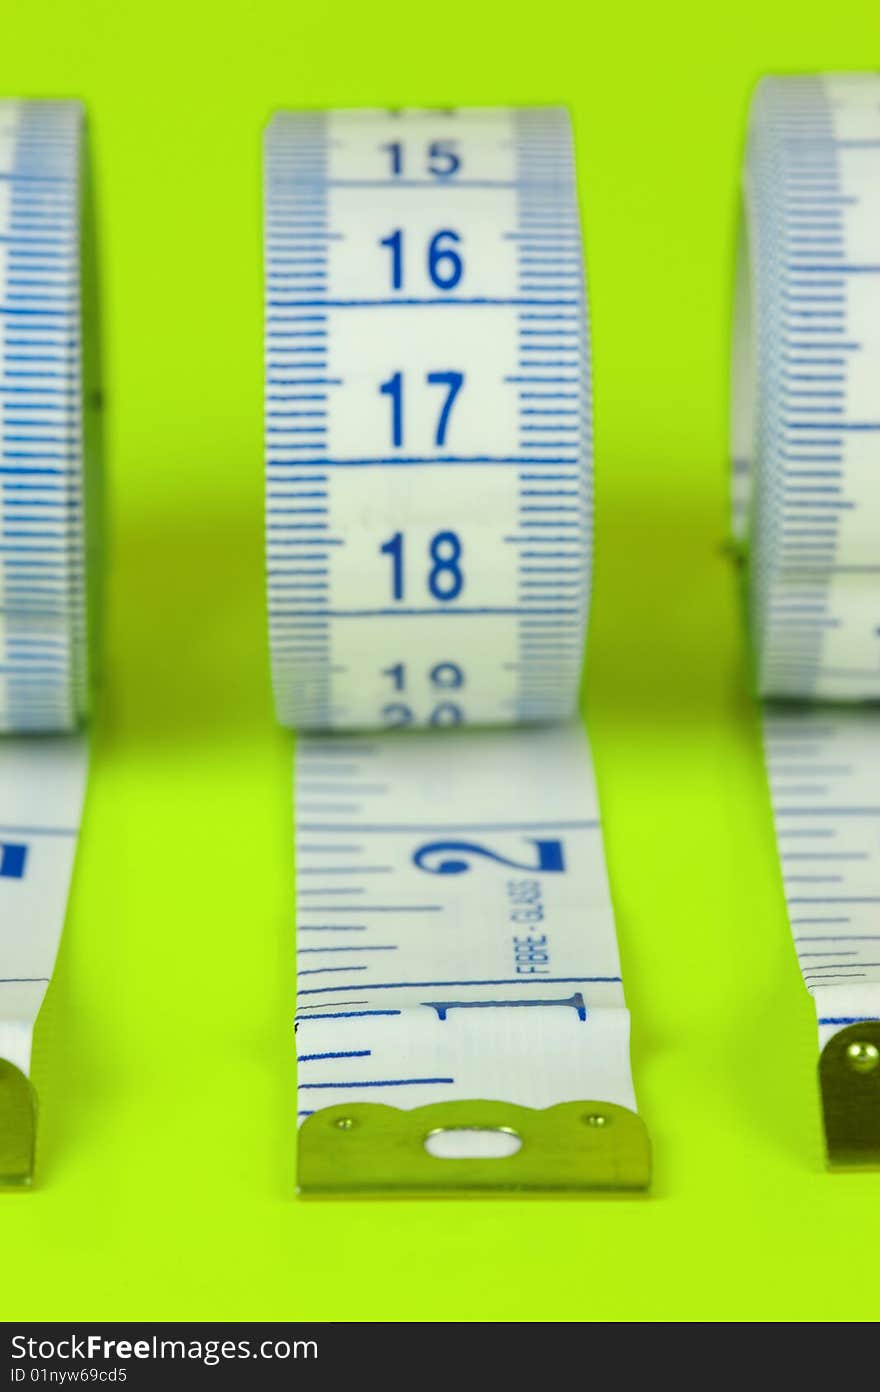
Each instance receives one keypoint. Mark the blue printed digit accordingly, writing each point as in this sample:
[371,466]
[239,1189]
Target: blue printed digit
[396,715]
[394,243]
[453,383]
[445,580]
[550,858]
[447,713]
[443,159]
[444,263]
[444,676]
[393,547]
[395,150]
[393,388]
[447,675]
[397,673]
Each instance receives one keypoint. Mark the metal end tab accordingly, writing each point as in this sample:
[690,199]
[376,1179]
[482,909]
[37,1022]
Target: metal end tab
[849,1076]
[18,1127]
[368,1150]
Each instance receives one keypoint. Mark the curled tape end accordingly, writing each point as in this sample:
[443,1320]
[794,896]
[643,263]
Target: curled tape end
[368,1150]
[849,1077]
[18,1127]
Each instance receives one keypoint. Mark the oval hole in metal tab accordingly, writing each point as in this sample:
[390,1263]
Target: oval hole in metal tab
[472,1143]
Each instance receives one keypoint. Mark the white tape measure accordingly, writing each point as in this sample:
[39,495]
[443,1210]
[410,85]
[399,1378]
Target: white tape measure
[428,525]
[44,667]
[806,444]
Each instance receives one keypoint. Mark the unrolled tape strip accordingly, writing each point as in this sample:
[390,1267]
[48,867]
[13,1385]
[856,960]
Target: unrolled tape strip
[806,445]
[47,374]
[429,525]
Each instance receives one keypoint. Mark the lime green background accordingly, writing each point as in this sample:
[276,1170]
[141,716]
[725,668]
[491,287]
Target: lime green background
[164,1054]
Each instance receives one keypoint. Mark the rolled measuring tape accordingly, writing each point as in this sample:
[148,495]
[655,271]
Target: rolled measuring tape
[461,1025]
[806,445]
[47,398]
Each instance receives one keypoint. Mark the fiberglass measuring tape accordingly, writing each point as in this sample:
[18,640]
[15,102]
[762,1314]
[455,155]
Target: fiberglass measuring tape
[44,668]
[429,526]
[806,445]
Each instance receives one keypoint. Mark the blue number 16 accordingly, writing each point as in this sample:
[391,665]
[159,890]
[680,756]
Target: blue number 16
[445,266]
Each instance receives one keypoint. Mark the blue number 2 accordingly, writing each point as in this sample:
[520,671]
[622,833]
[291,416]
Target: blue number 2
[549,856]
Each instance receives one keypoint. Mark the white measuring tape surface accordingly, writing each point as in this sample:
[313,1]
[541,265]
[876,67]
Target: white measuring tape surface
[429,525]
[43,646]
[806,444]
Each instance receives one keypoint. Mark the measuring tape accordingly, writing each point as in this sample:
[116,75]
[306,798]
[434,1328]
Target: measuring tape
[806,446]
[428,509]
[46,375]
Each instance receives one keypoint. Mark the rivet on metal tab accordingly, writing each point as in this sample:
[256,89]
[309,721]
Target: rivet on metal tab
[18,1115]
[367,1149]
[849,1076]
